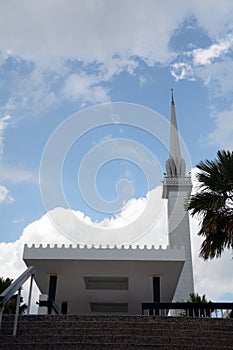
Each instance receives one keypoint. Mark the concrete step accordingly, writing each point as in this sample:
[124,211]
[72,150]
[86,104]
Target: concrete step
[103,318]
[96,329]
[166,340]
[68,332]
[108,346]
[72,321]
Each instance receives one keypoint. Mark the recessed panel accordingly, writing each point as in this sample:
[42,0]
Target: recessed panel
[109,307]
[106,283]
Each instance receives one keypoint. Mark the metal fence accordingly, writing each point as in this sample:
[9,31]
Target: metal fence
[188,309]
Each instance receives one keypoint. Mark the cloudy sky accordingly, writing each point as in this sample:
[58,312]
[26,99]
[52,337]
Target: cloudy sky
[102,166]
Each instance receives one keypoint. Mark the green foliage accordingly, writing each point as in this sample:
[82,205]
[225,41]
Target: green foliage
[10,306]
[196,298]
[214,204]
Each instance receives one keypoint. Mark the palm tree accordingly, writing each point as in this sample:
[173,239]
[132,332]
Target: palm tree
[196,298]
[214,204]
[10,306]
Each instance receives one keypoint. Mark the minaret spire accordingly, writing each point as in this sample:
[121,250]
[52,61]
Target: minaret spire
[176,189]
[175,165]
[172,97]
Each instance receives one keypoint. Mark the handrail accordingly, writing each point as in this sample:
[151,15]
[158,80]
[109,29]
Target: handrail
[12,289]
[207,307]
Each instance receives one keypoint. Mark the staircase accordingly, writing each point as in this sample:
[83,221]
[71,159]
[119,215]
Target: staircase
[74,332]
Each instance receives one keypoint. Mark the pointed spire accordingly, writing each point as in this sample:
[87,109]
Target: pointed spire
[172,97]
[174,137]
[175,165]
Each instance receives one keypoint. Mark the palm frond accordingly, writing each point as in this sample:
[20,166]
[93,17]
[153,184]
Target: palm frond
[214,204]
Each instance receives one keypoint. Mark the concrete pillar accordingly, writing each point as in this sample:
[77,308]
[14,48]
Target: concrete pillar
[43,310]
[64,307]
[52,291]
[156,291]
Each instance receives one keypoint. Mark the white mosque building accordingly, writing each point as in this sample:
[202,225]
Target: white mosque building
[86,280]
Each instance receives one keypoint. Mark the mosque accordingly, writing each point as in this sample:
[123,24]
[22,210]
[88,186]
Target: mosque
[90,280]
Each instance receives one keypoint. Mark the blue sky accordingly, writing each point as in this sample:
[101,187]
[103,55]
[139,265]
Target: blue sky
[59,58]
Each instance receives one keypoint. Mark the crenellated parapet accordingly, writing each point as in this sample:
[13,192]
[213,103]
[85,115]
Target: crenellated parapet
[186,180]
[103,252]
[178,184]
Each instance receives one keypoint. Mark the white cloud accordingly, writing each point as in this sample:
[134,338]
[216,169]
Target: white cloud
[30,91]
[10,174]
[142,80]
[5,195]
[223,133]
[90,31]
[16,175]
[206,56]
[218,78]
[145,79]
[135,220]
[130,212]
[85,88]
[4,192]
[49,36]
[182,71]
[4,122]
[89,87]
[214,16]
[97,31]
[44,231]
[200,64]
[115,66]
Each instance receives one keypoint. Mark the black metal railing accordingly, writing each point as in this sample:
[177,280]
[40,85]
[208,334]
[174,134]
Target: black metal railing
[188,309]
[16,286]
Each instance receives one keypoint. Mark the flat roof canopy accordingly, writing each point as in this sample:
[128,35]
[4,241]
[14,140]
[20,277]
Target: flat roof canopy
[106,279]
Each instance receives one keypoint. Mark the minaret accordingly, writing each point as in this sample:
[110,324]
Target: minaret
[177,188]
